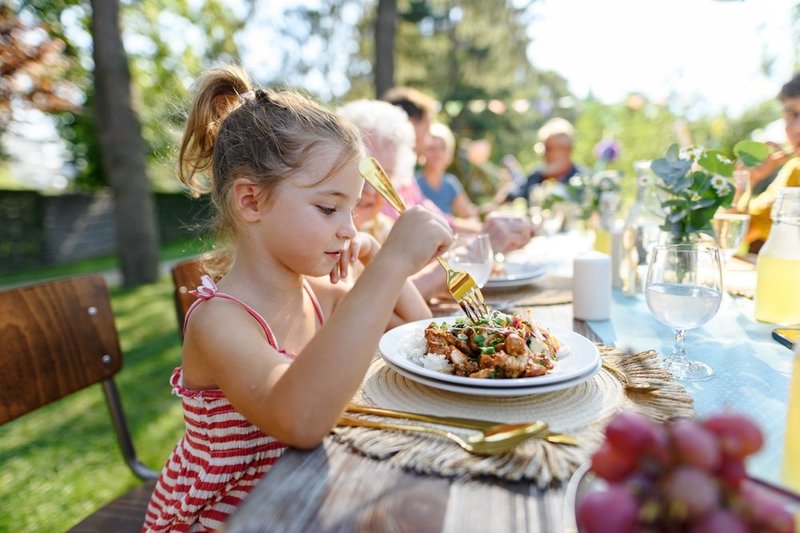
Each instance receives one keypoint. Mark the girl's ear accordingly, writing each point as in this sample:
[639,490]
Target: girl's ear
[247,199]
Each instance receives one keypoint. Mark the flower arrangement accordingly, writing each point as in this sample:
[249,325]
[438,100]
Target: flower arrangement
[697,182]
[584,191]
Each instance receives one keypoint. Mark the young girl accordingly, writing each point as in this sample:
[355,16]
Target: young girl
[273,353]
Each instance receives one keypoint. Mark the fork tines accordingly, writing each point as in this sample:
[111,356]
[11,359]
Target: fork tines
[473,305]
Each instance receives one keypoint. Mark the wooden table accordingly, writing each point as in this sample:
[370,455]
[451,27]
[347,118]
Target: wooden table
[331,488]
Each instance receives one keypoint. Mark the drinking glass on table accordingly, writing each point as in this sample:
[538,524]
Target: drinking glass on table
[683,290]
[731,225]
[473,254]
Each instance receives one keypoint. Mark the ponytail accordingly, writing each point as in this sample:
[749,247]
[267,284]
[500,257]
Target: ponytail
[218,92]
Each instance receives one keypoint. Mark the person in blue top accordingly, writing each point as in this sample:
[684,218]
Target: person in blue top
[438,185]
[555,140]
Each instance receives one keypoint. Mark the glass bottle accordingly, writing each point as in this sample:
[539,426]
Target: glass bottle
[777,286]
[641,230]
[608,203]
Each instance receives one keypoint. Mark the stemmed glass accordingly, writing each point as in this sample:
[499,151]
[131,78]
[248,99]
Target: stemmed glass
[731,225]
[683,290]
[473,254]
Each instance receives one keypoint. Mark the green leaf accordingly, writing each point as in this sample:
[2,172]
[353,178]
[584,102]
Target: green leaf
[705,202]
[673,152]
[670,170]
[675,216]
[716,162]
[751,153]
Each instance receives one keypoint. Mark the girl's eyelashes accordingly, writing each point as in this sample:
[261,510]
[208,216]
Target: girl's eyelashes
[326,210]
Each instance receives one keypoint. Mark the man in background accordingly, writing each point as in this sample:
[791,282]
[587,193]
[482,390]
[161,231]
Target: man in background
[789,174]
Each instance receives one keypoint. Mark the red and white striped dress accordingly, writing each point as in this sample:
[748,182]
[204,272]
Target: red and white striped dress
[220,457]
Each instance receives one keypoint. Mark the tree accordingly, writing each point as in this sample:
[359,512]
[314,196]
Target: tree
[31,68]
[384,46]
[123,149]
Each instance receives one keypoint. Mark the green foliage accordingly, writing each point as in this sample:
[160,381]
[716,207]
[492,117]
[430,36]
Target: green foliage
[696,183]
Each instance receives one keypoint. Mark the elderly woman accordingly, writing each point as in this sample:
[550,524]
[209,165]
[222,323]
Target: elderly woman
[389,137]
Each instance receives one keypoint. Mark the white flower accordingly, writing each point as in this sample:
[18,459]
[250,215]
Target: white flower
[720,185]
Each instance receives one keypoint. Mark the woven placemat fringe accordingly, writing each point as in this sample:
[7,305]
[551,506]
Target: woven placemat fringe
[538,460]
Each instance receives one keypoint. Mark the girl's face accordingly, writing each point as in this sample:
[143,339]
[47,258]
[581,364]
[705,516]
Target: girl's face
[308,222]
[368,206]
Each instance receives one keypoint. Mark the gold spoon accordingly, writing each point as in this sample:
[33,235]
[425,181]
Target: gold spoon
[485,426]
[479,444]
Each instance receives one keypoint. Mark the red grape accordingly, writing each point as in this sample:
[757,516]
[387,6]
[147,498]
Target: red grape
[611,510]
[719,521]
[611,464]
[764,512]
[696,446]
[631,433]
[682,476]
[731,471]
[691,492]
[738,436]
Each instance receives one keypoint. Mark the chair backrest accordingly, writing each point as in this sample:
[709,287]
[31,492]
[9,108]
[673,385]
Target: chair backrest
[185,277]
[57,338]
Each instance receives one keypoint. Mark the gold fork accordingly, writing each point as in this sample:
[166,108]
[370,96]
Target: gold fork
[479,444]
[461,285]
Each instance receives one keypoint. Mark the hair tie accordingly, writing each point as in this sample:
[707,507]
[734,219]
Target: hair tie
[244,97]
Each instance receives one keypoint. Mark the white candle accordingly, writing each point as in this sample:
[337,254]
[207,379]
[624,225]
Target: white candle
[591,286]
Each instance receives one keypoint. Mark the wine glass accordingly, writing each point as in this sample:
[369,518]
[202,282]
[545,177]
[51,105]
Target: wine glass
[683,290]
[473,254]
[731,225]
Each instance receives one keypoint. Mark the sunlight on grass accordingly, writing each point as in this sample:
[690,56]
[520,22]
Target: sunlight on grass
[62,462]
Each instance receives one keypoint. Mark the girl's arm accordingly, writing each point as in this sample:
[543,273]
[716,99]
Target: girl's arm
[299,403]
[410,304]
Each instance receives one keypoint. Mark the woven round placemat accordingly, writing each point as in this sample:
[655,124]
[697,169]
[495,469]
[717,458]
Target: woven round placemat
[550,290]
[580,411]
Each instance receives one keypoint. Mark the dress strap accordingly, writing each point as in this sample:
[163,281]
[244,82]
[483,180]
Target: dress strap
[208,290]
[314,301]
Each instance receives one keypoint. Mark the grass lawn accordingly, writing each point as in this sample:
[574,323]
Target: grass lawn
[62,462]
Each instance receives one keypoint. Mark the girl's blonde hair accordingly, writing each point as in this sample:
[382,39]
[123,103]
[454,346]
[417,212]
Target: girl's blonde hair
[233,131]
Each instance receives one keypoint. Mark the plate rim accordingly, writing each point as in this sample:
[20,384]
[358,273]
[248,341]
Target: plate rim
[518,281]
[560,332]
[507,392]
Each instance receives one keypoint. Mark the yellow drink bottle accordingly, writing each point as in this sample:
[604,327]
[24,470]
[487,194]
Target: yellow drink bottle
[790,473]
[778,265]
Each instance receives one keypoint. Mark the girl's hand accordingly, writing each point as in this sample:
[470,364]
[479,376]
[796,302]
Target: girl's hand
[417,237]
[362,248]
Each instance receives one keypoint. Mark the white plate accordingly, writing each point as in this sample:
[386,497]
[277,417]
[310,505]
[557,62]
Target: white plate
[516,275]
[495,392]
[576,357]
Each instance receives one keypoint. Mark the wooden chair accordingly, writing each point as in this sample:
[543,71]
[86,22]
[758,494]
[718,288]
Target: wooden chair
[57,338]
[185,277]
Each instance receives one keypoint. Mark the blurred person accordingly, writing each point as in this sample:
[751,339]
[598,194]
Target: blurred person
[389,137]
[420,109]
[438,185]
[788,176]
[506,232]
[555,142]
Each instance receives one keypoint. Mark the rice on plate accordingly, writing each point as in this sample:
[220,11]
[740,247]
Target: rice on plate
[500,346]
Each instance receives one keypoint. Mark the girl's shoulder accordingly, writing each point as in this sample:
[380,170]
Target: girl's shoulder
[329,294]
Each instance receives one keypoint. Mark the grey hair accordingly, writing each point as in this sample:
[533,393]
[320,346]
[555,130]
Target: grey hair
[384,122]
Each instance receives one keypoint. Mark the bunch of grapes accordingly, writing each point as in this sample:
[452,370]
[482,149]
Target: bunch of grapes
[683,476]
